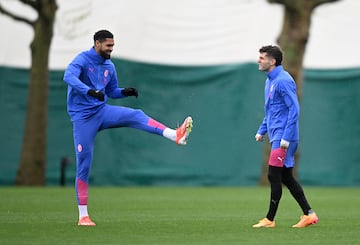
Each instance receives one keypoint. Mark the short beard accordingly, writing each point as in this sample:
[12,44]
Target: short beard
[105,55]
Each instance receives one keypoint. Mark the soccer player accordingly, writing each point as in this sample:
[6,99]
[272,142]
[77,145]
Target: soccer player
[91,79]
[281,123]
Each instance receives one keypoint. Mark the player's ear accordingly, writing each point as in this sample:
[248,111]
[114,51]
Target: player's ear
[97,43]
[273,61]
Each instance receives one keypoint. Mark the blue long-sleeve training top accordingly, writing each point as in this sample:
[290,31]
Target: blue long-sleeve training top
[88,71]
[282,108]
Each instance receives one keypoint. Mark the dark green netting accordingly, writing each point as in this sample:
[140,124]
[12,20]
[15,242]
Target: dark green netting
[226,103]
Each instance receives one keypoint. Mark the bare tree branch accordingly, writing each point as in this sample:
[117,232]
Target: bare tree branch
[32,3]
[297,4]
[319,2]
[15,17]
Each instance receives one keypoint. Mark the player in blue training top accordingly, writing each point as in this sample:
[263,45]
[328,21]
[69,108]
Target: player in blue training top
[91,79]
[281,122]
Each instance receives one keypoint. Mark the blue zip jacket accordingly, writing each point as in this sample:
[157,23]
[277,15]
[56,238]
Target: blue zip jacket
[282,108]
[88,71]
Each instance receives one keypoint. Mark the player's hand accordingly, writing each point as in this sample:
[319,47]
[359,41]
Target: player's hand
[259,137]
[96,94]
[130,92]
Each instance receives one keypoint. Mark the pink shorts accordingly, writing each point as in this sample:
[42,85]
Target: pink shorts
[277,157]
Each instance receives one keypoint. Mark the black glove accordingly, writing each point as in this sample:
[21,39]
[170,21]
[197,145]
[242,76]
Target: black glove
[97,94]
[130,92]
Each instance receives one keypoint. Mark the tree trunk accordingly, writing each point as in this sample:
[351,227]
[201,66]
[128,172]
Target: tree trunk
[32,165]
[292,40]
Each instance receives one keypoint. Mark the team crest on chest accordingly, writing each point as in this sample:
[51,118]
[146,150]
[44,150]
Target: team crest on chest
[106,74]
[271,91]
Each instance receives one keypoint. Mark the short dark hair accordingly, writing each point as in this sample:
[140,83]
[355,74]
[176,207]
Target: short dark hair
[102,35]
[274,52]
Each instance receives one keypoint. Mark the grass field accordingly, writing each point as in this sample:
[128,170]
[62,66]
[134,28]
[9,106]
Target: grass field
[175,216]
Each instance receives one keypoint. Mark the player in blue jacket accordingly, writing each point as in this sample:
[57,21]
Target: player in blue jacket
[91,79]
[281,123]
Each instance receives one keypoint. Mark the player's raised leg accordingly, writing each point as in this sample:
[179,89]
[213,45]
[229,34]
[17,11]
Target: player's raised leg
[119,116]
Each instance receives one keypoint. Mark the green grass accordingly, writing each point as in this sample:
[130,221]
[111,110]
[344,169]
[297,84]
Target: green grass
[174,216]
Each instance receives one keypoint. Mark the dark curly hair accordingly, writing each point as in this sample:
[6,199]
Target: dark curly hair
[274,52]
[102,35]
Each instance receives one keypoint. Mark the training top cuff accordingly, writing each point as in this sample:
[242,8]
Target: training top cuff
[284,143]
